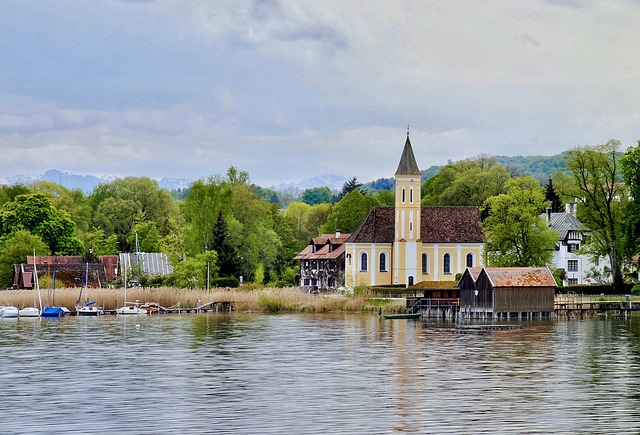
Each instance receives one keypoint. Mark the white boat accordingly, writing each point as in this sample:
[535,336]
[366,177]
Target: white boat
[9,312]
[132,309]
[29,312]
[89,308]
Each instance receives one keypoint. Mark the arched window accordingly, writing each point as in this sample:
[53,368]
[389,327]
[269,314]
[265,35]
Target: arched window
[363,262]
[348,259]
[425,264]
[446,263]
[383,262]
[411,280]
[469,259]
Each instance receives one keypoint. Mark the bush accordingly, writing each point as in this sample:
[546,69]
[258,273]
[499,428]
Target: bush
[636,289]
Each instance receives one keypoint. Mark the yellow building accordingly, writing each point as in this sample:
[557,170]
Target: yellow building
[410,243]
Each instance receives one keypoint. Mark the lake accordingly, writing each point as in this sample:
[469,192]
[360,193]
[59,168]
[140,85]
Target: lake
[321,374]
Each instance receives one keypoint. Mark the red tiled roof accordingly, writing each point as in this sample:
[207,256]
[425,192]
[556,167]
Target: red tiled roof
[323,244]
[520,276]
[439,225]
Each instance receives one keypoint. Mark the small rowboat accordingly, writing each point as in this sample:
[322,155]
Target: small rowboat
[403,316]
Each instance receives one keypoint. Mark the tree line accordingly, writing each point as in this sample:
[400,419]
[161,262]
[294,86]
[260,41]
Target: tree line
[226,227]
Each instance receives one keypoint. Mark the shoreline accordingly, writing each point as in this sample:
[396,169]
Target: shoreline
[267,300]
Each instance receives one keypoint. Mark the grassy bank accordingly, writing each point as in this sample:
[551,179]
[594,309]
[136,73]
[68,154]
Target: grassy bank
[263,300]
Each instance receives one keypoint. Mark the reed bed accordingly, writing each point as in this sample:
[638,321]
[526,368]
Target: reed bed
[268,300]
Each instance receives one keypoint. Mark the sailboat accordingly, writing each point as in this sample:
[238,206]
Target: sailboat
[54,311]
[130,309]
[32,311]
[89,308]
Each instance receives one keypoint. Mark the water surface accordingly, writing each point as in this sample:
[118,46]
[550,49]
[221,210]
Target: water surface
[286,374]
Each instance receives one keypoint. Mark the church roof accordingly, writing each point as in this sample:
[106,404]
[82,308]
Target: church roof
[408,165]
[439,225]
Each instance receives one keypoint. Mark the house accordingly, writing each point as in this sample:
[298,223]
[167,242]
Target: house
[322,262]
[69,270]
[575,266]
[408,243]
[507,292]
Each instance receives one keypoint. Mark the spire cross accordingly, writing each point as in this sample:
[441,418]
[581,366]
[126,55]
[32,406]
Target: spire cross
[407,130]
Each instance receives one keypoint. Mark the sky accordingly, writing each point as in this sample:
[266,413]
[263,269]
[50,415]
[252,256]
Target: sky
[288,90]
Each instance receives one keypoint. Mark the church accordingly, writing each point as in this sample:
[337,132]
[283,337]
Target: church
[410,243]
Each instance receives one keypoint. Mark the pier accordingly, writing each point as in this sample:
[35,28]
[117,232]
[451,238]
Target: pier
[572,306]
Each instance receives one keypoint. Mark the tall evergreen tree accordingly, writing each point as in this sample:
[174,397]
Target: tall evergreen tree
[228,259]
[552,196]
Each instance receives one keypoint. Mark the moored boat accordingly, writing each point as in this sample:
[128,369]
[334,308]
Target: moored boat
[403,316]
[9,312]
[29,312]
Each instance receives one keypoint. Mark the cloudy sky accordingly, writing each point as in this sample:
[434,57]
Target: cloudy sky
[287,90]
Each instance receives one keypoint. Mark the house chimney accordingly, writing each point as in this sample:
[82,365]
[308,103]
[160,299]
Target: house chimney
[548,216]
[570,208]
[337,233]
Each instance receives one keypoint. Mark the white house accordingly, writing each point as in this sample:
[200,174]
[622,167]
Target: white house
[579,268]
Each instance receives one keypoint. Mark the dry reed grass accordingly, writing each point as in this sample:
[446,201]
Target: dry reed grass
[263,300]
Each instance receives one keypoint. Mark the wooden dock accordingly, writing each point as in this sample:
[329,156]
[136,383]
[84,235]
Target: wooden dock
[582,307]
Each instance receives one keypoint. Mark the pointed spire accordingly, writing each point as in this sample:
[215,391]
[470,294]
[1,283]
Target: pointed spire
[408,165]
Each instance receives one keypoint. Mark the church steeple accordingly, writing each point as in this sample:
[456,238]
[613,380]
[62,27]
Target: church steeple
[408,165]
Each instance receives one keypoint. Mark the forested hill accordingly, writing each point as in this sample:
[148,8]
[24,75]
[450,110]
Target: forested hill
[542,168]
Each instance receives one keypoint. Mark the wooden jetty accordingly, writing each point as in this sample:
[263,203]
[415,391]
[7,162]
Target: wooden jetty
[581,307]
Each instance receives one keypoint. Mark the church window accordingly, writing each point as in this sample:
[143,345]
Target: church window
[411,195]
[403,194]
[425,264]
[469,259]
[383,262]
[363,262]
[446,264]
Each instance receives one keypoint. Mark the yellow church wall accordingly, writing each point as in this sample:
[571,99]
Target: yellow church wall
[355,274]
[458,255]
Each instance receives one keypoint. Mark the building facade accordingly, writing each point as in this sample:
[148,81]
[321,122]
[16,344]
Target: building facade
[410,243]
[575,266]
[322,262]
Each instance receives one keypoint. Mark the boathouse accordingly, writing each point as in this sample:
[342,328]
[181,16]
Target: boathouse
[507,292]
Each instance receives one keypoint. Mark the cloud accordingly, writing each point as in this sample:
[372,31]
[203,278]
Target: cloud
[288,89]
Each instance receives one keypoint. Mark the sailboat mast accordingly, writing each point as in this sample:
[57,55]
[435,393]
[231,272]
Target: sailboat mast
[35,272]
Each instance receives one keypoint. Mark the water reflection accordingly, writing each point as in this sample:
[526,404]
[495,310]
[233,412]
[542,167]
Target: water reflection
[316,374]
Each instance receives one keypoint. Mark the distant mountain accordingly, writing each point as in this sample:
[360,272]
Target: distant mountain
[86,183]
[333,182]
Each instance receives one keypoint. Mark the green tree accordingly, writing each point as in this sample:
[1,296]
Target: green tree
[349,187]
[118,216]
[193,272]
[71,201]
[347,214]
[466,183]
[15,248]
[229,263]
[553,197]
[316,195]
[35,213]
[630,167]
[516,233]
[597,187]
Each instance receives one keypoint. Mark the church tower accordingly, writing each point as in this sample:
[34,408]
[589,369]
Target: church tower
[407,243]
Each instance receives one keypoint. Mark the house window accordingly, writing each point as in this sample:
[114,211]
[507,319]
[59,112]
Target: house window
[446,264]
[363,262]
[573,281]
[321,265]
[469,259]
[572,265]
[383,262]
[331,282]
[573,247]
[425,264]
[306,281]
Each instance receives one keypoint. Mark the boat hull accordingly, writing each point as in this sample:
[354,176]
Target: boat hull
[29,312]
[403,316]
[9,312]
